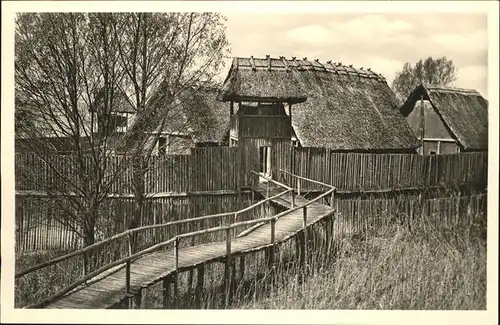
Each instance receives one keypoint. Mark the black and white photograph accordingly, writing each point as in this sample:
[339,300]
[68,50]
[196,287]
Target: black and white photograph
[244,158]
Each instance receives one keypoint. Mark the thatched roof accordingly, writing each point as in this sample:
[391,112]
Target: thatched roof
[346,108]
[463,111]
[199,115]
[252,79]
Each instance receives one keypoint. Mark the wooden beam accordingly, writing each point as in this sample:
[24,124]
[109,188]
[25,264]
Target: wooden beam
[438,140]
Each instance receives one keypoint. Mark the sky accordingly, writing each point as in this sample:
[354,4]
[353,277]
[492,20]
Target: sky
[382,42]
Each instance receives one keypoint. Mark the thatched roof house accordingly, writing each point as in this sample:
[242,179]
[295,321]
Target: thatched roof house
[195,118]
[336,106]
[463,113]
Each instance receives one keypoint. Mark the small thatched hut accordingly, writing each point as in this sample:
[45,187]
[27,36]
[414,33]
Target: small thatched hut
[447,120]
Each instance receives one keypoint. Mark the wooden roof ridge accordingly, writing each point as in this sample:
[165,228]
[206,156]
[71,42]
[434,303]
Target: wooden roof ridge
[442,88]
[285,63]
[304,64]
[252,62]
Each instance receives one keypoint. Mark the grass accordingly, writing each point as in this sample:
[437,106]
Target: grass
[396,269]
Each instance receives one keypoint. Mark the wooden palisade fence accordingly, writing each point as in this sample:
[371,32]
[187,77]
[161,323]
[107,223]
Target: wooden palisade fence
[206,182]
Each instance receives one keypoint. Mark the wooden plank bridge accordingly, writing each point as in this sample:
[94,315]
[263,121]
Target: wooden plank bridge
[123,280]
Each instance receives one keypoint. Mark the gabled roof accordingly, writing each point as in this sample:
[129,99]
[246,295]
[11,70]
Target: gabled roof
[121,102]
[463,111]
[197,114]
[347,108]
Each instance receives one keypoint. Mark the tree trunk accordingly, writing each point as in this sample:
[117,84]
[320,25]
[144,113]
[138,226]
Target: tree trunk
[139,196]
[89,239]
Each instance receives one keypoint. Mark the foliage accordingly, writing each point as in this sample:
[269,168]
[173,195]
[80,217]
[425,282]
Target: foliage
[441,71]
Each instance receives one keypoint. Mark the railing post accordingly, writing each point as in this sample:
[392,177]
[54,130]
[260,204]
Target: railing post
[298,186]
[332,197]
[127,266]
[235,221]
[292,194]
[227,270]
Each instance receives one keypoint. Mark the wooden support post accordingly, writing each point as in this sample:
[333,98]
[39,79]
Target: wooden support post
[235,220]
[127,277]
[232,282]
[166,292]
[272,252]
[298,186]
[304,225]
[292,198]
[199,285]
[242,267]
[138,300]
[227,269]
[176,272]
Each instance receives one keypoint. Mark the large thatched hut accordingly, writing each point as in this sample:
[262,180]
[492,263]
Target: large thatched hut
[328,105]
[447,120]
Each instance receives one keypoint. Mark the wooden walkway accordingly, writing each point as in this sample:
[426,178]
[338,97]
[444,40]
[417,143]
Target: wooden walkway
[107,290]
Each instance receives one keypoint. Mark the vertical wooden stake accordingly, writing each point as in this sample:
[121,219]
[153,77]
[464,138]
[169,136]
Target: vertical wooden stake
[199,285]
[292,198]
[298,186]
[422,124]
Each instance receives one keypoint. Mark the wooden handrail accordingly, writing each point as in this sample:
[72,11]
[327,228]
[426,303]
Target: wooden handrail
[138,229]
[89,276]
[263,201]
[176,239]
[307,179]
[272,180]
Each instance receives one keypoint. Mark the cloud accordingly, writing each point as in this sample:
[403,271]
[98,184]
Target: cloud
[383,42]
[474,77]
[312,34]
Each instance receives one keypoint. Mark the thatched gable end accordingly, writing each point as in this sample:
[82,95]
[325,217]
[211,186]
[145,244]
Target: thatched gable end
[269,80]
[347,109]
[463,111]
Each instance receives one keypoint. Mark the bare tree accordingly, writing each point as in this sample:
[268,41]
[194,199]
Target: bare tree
[70,69]
[440,71]
[64,65]
[163,55]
